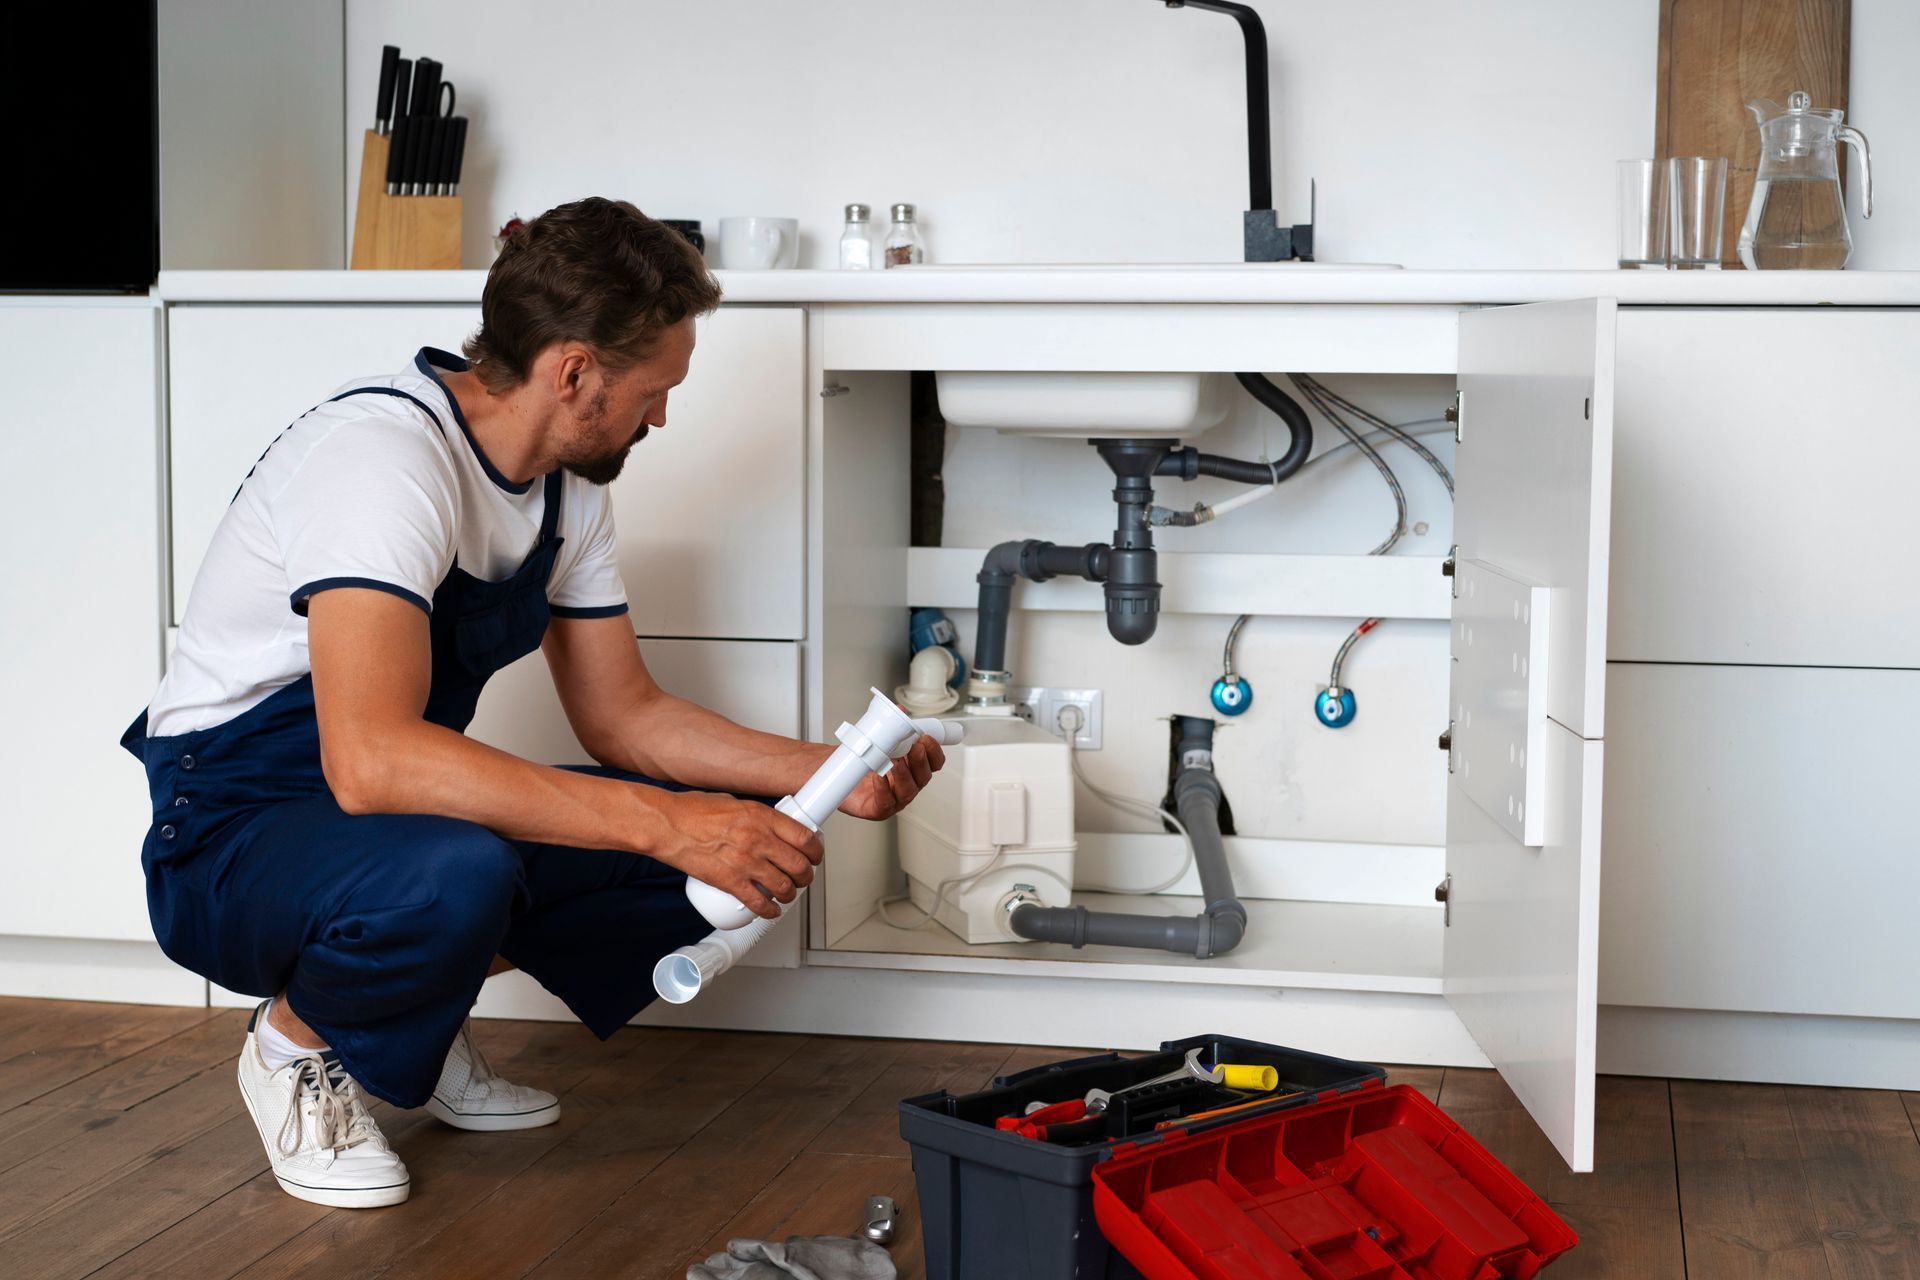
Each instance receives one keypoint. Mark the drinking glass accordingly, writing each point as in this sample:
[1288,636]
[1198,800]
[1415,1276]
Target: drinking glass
[1643,214]
[1697,205]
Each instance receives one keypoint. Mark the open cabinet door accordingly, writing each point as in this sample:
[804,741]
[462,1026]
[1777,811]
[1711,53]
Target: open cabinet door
[1528,675]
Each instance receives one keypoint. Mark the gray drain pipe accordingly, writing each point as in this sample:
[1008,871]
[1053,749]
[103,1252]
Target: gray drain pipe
[1218,928]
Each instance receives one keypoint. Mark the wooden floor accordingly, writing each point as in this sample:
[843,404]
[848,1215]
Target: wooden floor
[125,1152]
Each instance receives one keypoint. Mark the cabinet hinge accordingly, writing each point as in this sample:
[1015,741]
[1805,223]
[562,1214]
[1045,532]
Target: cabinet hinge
[1447,567]
[1457,415]
[1446,745]
[833,389]
[1442,892]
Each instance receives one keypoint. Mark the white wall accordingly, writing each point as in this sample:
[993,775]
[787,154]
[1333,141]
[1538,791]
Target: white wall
[1449,134]
[1382,778]
[251,161]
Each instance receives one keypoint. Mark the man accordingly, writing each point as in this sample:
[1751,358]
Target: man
[325,835]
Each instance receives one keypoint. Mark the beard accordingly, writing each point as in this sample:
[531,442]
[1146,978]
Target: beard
[604,468]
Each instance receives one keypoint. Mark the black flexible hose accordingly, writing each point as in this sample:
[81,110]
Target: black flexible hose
[1188,464]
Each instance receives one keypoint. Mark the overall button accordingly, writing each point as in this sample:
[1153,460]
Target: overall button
[186,762]
[166,833]
[177,803]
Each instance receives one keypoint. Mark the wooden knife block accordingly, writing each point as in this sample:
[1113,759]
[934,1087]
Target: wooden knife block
[401,233]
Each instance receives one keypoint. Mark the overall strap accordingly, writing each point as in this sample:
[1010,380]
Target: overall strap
[550,517]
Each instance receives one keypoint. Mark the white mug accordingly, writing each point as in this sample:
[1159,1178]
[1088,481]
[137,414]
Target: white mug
[759,244]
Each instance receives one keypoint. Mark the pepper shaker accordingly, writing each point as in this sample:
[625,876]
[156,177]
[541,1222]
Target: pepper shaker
[904,247]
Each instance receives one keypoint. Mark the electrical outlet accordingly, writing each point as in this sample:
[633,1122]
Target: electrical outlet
[1042,705]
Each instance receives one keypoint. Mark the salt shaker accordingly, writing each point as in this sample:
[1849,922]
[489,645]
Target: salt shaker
[904,246]
[856,242]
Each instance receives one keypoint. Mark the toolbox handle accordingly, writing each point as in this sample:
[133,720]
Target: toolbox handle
[1045,1069]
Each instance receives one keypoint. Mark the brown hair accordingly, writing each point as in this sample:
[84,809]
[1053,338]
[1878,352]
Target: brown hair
[596,271]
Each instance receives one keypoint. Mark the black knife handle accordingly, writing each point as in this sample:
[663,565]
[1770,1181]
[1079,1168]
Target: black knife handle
[426,86]
[459,148]
[441,135]
[402,84]
[397,153]
[417,140]
[383,100]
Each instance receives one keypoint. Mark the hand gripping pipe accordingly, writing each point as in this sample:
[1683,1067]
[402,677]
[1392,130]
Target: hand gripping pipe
[870,746]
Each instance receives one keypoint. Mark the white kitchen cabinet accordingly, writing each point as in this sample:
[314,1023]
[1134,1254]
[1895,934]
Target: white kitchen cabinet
[238,375]
[753,682]
[83,607]
[1515,957]
[710,510]
[1765,486]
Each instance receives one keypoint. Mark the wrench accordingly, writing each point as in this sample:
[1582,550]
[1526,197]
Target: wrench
[1097,1099]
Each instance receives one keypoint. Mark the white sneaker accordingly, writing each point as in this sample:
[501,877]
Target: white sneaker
[470,1096]
[321,1142]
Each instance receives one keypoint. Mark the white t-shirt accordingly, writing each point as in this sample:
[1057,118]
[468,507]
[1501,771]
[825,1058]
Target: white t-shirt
[366,491]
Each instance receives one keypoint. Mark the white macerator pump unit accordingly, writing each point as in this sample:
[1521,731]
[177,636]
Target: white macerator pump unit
[870,746]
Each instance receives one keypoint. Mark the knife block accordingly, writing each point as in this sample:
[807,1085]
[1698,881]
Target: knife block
[401,233]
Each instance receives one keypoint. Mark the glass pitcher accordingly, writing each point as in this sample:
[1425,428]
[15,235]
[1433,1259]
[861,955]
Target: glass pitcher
[1798,218]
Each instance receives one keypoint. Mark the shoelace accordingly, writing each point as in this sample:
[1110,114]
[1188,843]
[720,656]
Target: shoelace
[340,1117]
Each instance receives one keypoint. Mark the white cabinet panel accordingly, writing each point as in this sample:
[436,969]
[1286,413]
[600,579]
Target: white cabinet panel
[711,510]
[81,586]
[238,375]
[754,683]
[1534,486]
[1763,489]
[1763,840]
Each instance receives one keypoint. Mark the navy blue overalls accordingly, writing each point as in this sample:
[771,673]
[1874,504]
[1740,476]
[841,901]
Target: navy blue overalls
[381,927]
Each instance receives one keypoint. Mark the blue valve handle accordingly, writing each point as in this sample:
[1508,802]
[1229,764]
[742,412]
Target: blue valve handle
[1334,708]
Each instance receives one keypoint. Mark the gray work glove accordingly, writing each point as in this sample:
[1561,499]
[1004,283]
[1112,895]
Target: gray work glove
[819,1258]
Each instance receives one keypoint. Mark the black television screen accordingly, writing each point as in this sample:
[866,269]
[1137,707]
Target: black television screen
[81,210]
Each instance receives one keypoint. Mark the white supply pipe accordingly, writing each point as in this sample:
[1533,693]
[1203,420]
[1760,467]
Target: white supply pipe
[870,746]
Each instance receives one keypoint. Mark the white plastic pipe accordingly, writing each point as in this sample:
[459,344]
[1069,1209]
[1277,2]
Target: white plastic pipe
[870,746]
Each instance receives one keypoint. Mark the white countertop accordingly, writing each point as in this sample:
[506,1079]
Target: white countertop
[1146,283]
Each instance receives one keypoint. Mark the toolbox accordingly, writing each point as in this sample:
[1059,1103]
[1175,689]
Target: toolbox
[995,1205]
[1374,1184]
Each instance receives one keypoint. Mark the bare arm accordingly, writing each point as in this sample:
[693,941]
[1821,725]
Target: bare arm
[372,667]
[627,721]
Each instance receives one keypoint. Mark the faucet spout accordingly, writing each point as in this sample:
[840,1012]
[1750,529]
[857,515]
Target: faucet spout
[1259,127]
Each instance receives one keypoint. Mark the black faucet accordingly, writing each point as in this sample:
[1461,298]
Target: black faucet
[1265,239]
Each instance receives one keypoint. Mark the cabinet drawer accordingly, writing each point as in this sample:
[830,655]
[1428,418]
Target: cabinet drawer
[237,375]
[710,511]
[753,682]
[1763,462]
[1762,840]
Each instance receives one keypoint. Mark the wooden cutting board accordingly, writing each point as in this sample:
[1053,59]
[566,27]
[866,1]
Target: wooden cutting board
[1715,55]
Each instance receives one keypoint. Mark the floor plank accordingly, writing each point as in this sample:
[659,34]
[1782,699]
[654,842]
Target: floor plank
[252,1217]
[126,1153]
[871,1123]
[743,1150]
[156,1068]
[70,1045]
[1744,1198]
[1863,1176]
[619,1134]
[1426,1079]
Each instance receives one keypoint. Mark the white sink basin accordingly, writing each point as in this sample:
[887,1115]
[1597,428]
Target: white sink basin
[1084,406]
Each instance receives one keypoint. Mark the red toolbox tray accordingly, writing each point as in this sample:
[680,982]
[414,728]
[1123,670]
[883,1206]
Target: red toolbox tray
[1373,1185]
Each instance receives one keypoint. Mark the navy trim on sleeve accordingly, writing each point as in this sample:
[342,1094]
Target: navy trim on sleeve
[426,361]
[591,611]
[299,598]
